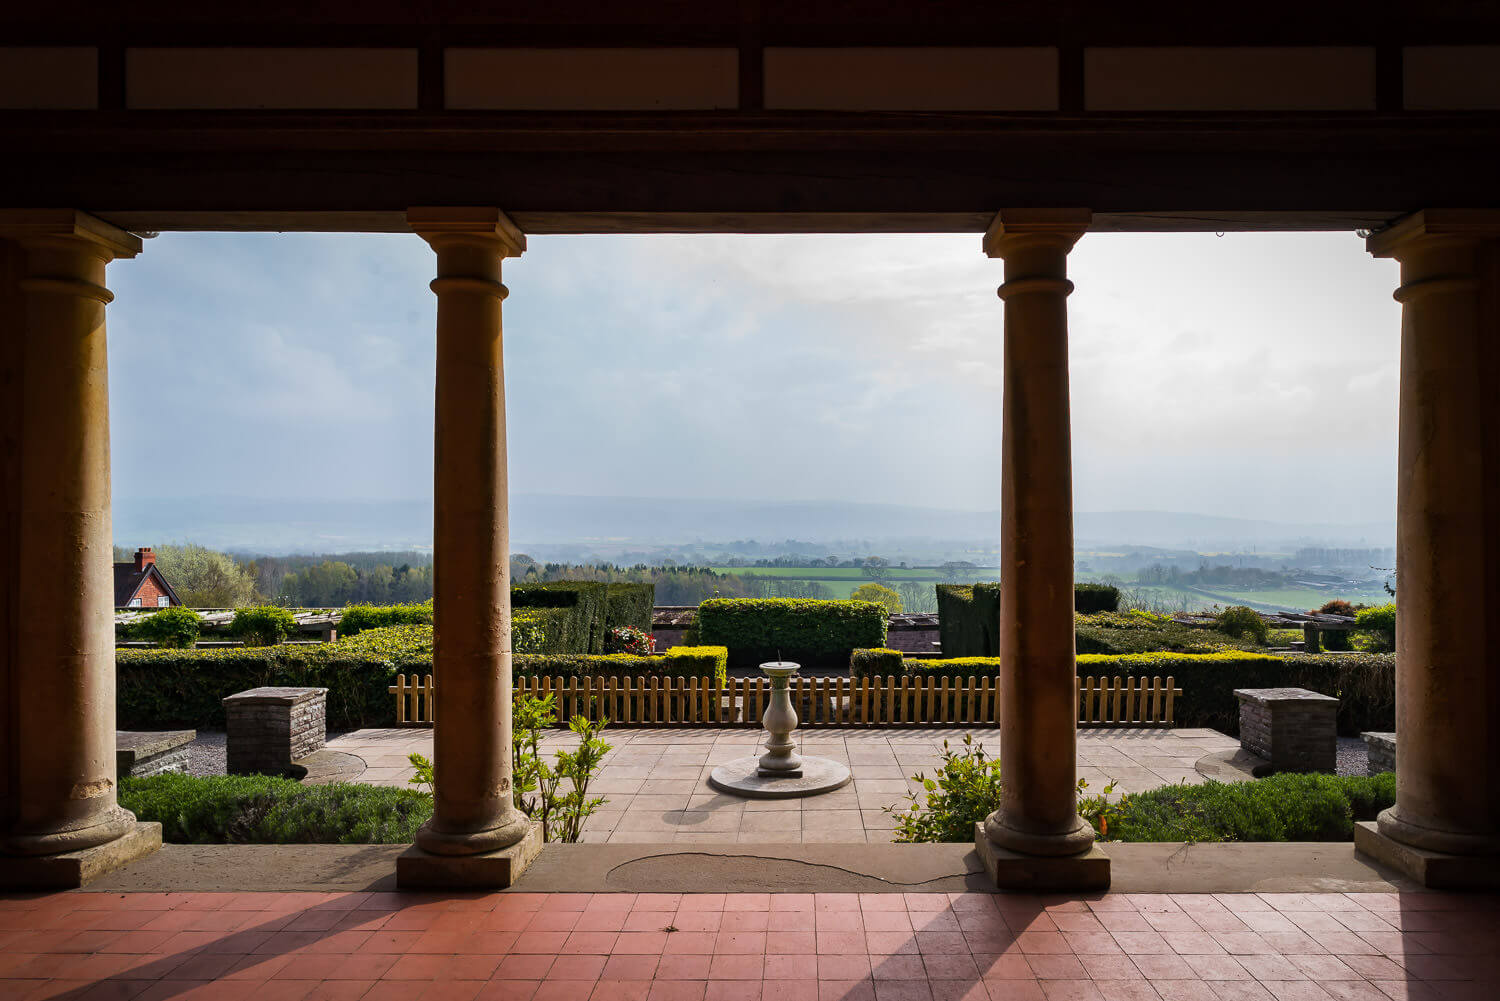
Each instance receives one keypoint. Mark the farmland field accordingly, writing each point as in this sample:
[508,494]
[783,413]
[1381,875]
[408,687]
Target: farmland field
[841,582]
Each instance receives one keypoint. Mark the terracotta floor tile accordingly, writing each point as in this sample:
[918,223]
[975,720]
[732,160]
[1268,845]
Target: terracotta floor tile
[902,990]
[508,990]
[1126,990]
[621,990]
[1117,967]
[683,967]
[733,990]
[1071,990]
[678,990]
[1183,990]
[737,967]
[847,990]
[789,990]
[1052,967]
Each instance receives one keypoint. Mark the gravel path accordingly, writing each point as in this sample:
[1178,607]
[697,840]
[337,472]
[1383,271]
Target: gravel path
[206,754]
[1353,757]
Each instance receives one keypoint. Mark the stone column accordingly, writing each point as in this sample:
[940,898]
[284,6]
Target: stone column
[1447,540]
[63,687]
[474,814]
[1038,814]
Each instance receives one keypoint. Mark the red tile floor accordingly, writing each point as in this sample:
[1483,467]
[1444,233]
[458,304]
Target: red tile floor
[776,947]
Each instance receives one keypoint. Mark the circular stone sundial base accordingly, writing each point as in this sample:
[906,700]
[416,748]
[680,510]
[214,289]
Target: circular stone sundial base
[741,777]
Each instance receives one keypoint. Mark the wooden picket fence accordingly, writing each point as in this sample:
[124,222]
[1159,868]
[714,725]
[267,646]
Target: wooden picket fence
[820,702]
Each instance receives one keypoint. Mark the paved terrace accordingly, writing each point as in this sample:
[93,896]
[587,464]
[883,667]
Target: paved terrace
[378,946]
[656,780]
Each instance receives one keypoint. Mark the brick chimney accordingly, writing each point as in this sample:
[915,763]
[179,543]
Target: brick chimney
[144,558]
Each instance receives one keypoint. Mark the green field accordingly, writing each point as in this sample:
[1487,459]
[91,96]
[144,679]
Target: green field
[841,582]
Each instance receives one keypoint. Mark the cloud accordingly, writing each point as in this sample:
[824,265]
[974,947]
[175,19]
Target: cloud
[1251,375]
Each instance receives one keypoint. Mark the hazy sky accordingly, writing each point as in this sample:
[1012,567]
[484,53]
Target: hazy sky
[1246,375]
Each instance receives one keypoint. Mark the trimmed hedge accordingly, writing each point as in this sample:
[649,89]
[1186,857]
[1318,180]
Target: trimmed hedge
[1364,684]
[812,633]
[969,614]
[1143,632]
[264,810]
[629,604]
[581,630]
[881,662]
[1091,598]
[357,618]
[678,662]
[164,689]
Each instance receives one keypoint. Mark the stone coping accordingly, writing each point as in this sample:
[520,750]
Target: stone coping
[1278,696]
[274,696]
[133,745]
[1379,739]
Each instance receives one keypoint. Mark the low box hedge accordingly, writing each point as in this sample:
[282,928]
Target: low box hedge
[581,629]
[678,662]
[357,618]
[165,689]
[812,633]
[1364,684]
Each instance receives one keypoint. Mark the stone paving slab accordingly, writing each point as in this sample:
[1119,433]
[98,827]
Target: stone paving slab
[715,946]
[656,780]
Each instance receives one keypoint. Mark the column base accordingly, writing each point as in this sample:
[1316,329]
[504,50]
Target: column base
[1041,873]
[417,869]
[1436,870]
[70,870]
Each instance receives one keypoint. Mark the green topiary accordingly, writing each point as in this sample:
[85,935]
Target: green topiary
[1091,598]
[174,627]
[1241,620]
[578,624]
[881,662]
[629,604]
[813,633]
[263,625]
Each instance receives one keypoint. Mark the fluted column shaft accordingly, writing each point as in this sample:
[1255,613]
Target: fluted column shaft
[474,811]
[1447,530]
[63,684]
[1038,812]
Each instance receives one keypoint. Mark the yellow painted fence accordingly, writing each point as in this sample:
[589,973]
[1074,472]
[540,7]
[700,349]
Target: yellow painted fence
[820,702]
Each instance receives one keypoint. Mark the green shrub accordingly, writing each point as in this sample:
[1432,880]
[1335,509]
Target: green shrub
[878,663]
[580,626]
[812,633]
[1283,807]
[389,642]
[263,625]
[964,790]
[357,618]
[1379,623]
[260,809]
[1241,620]
[175,627]
[629,604]
[1336,607]
[1091,598]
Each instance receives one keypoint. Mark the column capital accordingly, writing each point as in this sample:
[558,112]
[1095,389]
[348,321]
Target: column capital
[1014,229]
[459,224]
[1431,226]
[30,227]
